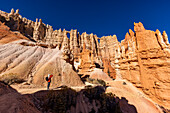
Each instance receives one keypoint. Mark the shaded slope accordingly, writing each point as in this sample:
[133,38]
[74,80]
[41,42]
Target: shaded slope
[7,36]
[13,102]
[88,100]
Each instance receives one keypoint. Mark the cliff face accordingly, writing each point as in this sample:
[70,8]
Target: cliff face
[71,47]
[148,64]
[142,57]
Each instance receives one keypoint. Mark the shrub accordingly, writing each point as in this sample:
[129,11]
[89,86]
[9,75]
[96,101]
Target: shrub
[60,101]
[11,78]
[102,82]
[107,100]
[96,81]
[88,86]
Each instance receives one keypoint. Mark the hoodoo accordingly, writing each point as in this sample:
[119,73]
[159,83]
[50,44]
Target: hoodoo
[142,58]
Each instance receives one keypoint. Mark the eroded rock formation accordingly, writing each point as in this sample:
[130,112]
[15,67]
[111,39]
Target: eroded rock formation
[33,63]
[148,67]
[142,57]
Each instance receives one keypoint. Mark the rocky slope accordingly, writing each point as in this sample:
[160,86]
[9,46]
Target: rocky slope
[130,94]
[64,100]
[7,36]
[124,98]
[13,102]
[32,62]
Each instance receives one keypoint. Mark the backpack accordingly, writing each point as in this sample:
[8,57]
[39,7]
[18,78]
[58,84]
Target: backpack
[46,78]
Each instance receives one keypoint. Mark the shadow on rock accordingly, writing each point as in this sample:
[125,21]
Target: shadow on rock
[88,100]
[13,102]
[125,107]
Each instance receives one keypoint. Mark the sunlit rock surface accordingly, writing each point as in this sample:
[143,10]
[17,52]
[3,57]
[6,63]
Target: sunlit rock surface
[33,49]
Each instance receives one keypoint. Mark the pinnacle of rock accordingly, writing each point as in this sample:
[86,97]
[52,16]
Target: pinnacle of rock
[142,57]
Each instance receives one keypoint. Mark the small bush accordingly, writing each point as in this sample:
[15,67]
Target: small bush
[88,86]
[11,78]
[102,82]
[96,81]
[90,80]
[107,100]
[60,101]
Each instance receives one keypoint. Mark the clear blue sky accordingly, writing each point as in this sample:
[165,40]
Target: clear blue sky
[101,17]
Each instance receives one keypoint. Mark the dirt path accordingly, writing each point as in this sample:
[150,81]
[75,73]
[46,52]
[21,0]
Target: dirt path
[29,90]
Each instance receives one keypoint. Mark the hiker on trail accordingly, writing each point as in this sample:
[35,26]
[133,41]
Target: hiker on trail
[48,79]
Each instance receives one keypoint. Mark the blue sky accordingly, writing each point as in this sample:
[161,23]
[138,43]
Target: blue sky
[101,17]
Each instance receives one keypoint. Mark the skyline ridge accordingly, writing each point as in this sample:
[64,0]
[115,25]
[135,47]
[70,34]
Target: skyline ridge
[99,17]
[78,29]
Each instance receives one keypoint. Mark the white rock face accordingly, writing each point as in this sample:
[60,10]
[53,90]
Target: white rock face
[33,63]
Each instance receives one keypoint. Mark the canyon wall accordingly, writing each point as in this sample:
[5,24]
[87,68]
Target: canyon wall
[142,57]
[146,63]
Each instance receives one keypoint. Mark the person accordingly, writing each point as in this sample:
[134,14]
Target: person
[49,80]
